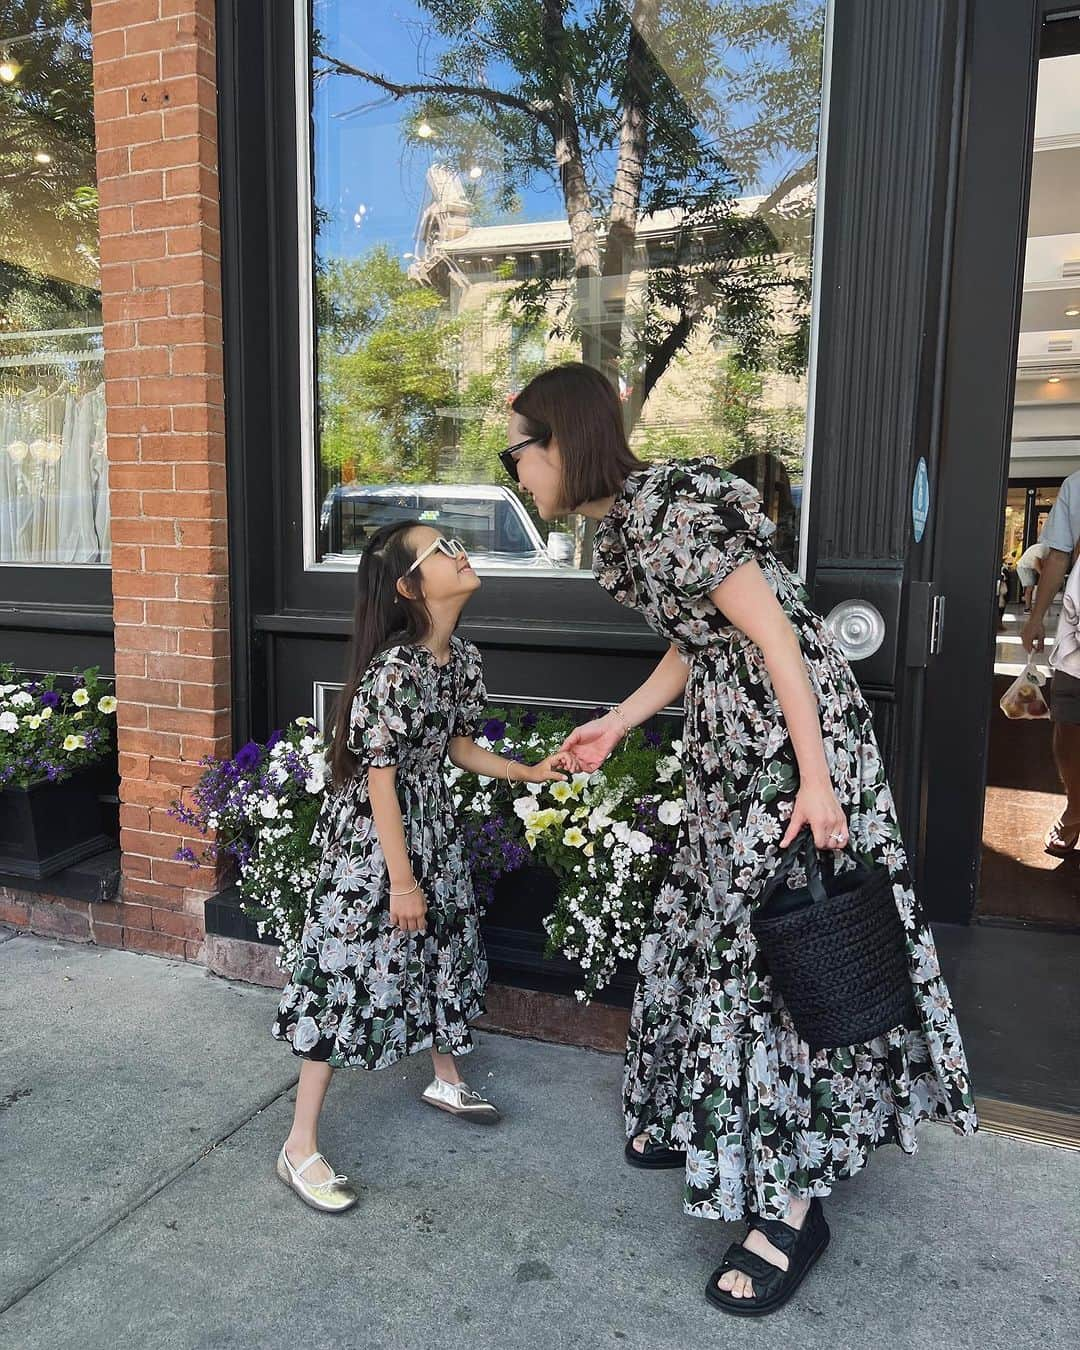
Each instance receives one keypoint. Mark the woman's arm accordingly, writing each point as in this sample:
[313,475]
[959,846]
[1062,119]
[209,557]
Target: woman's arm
[747,600]
[406,911]
[592,743]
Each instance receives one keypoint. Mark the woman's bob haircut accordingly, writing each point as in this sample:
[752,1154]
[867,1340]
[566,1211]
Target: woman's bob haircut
[577,406]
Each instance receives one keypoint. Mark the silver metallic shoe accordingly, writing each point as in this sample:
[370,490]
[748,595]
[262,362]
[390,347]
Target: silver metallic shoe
[333,1196]
[460,1100]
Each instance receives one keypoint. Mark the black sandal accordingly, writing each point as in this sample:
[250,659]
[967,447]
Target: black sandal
[653,1156]
[772,1286]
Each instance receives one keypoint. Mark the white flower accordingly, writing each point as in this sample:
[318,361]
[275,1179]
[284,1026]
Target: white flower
[268,807]
[670,813]
[80,698]
[306,1034]
[639,843]
[46,713]
[573,837]
[305,721]
[534,788]
[20,699]
[600,819]
[525,808]
[107,704]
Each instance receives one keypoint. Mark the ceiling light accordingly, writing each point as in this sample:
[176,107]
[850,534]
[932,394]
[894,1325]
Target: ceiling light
[425,130]
[475,172]
[1053,379]
[9,70]
[1073,311]
[43,157]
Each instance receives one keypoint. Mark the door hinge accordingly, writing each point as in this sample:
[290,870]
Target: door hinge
[937,624]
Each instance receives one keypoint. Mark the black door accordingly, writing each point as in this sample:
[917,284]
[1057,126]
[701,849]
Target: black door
[990,786]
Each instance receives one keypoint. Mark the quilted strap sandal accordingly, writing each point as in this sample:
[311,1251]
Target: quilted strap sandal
[653,1157]
[332,1196]
[459,1100]
[772,1286]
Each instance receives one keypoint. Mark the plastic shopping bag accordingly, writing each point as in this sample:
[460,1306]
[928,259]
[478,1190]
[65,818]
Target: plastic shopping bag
[1024,697]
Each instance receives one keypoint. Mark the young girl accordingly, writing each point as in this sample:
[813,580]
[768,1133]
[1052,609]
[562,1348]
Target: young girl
[392,960]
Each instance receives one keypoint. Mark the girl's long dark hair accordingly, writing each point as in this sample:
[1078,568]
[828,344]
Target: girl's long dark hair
[382,618]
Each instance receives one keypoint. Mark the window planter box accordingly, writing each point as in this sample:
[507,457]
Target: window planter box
[49,826]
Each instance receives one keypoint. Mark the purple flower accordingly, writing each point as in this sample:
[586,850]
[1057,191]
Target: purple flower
[247,756]
[50,699]
[275,736]
[186,855]
[653,740]
[494,729]
[529,721]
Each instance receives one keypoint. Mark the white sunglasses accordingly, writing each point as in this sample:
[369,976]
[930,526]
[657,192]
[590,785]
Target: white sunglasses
[453,548]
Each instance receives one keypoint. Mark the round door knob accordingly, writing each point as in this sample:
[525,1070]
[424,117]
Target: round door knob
[858,627]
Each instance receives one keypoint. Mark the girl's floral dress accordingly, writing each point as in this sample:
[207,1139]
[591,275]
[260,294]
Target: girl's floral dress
[365,993]
[713,1062]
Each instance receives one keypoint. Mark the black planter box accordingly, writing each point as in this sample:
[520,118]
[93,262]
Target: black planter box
[49,826]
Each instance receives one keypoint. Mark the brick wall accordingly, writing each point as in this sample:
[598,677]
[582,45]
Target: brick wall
[155,108]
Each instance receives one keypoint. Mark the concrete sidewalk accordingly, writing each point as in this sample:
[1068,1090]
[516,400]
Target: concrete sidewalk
[142,1104]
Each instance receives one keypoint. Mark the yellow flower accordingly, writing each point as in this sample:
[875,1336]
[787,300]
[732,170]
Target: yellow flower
[78,717]
[71,743]
[573,837]
[107,704]
[561,791]
[589,850]
[80,698]
[45,714]
[33,721]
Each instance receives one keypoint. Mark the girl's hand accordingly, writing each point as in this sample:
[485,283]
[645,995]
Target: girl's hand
[819,808]
[547,771]
[591,743]
[409,912]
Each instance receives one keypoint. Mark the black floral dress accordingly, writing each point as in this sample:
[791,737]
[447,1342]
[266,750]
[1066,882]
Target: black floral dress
[714,1064]
[364,992]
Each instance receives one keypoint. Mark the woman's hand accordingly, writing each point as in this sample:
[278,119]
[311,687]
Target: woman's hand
[591,743]
[547,771]
[409,912]
[819,808]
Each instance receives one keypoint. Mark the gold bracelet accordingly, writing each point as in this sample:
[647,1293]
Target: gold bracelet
[617,710]
[414,887]
[508,763]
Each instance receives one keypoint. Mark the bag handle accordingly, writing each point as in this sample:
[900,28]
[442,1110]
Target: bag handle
[803,850]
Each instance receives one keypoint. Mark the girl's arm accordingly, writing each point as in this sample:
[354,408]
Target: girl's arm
[747,600]
[406,911]
[467,755]
[591,743]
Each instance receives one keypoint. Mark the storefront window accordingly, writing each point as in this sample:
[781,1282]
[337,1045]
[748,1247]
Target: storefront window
[498,188]
[54,505]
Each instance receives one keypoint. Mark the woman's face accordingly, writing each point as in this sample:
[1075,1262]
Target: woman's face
[539,470]
[440,577]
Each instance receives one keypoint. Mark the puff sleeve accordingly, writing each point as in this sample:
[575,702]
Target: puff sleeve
[711,523]
[387,711]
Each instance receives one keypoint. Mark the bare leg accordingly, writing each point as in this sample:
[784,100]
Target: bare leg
[445,1067]
[1067,758]
[303,1138]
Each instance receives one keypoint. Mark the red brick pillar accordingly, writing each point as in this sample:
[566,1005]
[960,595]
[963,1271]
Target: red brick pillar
[155,104]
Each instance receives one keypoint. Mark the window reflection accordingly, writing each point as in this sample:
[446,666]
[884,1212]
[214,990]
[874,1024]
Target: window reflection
[54,504]
[633,186]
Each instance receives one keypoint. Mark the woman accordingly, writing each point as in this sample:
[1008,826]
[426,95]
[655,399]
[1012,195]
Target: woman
[777,737]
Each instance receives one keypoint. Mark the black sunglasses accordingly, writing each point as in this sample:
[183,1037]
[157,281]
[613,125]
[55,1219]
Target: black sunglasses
[506,457]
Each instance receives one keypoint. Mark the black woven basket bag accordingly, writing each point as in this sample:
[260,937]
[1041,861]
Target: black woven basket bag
[835,948]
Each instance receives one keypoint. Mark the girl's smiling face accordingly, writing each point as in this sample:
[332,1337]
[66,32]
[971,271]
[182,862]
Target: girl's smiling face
[439,576]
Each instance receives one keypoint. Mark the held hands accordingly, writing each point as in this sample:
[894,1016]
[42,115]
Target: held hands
[408,912]
[590,744]
[547,771]
[818,807]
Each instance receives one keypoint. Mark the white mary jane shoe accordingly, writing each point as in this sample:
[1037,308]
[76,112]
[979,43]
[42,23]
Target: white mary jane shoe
[459,1100]
[332,1196]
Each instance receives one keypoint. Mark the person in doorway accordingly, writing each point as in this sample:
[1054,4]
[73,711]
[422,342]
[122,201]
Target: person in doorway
[777,737]
[1061,534]
[1028,566]
[391,956]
